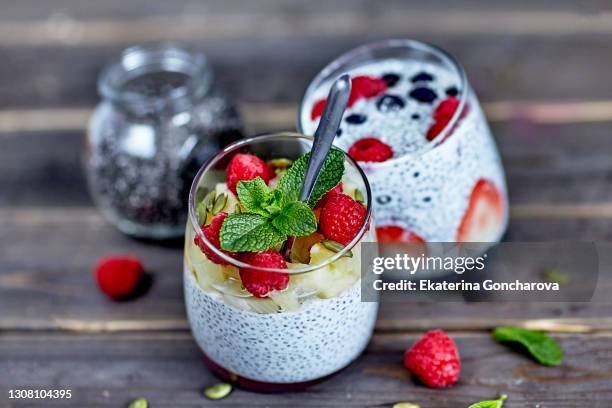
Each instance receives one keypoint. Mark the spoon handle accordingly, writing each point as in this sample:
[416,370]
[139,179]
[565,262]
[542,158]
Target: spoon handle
[326,132]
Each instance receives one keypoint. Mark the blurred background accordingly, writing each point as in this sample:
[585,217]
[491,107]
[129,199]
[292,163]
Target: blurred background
[540,68]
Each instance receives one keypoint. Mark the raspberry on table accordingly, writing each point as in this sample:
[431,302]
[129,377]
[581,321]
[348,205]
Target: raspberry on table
[341,218]
[259,283]
[211,232]
[245,166]
[370,149]
[118,276]
[434,360]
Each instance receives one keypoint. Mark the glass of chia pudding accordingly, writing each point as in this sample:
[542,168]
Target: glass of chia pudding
[416,127]
[272,284]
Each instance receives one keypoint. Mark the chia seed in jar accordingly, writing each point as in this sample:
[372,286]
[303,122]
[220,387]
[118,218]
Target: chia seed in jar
[160,119]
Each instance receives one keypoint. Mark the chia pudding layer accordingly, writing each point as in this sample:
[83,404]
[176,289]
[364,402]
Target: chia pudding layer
[434,189]
[320,338]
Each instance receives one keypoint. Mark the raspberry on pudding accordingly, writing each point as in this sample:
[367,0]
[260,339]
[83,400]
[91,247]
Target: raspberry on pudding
[249,301]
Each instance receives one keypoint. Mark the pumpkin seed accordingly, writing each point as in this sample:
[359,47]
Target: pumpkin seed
[281,163]
[406,405]
[220,203]
[359,197]
[209,200]
[139,403]
[200,194]
[336,247]
[218,391]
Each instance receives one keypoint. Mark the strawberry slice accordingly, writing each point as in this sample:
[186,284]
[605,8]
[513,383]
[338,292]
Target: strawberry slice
[362,87]
[395,233]
[484,217]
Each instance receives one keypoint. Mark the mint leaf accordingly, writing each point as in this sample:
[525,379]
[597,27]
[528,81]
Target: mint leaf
[329,177]
[253,195]
[296,219]
[542,347]
[249,232]
[498,403]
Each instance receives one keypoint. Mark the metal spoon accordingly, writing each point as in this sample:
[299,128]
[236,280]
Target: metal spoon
[337,101]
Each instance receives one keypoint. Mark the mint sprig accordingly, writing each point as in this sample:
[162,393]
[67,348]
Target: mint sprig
[329,177]
[269,217]
[542,347]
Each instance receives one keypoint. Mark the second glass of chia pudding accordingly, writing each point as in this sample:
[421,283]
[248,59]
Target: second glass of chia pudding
[272,284]
[416,127]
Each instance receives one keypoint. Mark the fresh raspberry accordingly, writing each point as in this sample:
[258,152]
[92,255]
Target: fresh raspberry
[335,190]
[362,87]
[211,232]
[247,167]
[365,87]
[260,283]
[341,218]
[434,359]
[370,149]
[118,276]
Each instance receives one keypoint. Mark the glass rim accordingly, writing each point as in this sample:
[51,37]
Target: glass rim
[193,220]
[348,56]
[139,57]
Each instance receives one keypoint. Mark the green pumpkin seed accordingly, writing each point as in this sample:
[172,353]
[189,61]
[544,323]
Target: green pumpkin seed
[218,391]
[359,196]
[237,209]
[281,163]
[201,213]
[220,203]
[209,200]
[139,403]
[336,247]
[406,405]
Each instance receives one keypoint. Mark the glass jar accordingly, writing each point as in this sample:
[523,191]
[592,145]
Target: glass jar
[292,337]
[160,118]
[417,128]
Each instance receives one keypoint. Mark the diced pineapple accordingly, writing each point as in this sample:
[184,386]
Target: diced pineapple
[330,280]
[286,299]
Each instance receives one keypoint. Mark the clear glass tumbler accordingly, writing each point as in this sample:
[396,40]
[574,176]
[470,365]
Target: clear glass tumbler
[417,129]
[288,338]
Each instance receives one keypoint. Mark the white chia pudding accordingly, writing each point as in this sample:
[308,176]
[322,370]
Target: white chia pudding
[425,189]
[320,338]
[263,306]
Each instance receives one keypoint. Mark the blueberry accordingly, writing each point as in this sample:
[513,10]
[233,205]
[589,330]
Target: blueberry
[339,132]
[391,79]
[416,116]
[422,77]
[383,199]
[356,119]
[390,103]
[423,94]
[452,91]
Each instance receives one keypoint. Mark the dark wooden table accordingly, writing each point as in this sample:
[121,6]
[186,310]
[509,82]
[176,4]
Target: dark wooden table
[542,70]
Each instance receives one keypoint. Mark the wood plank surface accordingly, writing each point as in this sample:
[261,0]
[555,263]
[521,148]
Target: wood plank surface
[167,369]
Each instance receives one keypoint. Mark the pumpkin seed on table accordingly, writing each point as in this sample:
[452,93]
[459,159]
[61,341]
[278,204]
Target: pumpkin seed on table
[139,403]
[336,247]
[218,391]
[406,405]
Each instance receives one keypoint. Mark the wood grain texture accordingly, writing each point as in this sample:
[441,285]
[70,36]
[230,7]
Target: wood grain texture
[167,369]
[278,70]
